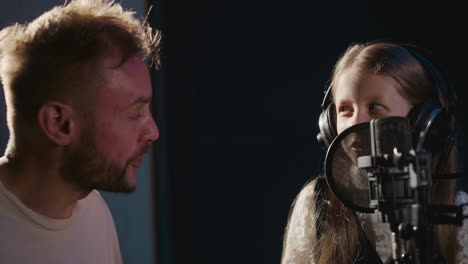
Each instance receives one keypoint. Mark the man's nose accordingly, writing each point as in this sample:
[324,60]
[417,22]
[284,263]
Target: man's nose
[152,131]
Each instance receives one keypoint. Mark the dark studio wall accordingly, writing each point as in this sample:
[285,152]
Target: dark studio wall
[237,102]
[243,84]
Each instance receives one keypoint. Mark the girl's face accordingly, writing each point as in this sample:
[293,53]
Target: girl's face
[360,97]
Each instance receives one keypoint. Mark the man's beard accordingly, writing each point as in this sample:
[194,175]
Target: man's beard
[89,169]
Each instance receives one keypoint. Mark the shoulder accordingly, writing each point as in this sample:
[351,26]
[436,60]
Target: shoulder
[306,197]
[462,235]
[94,206]
[303,208]
[95,210]
[461,197]
[300,236]
[95,198]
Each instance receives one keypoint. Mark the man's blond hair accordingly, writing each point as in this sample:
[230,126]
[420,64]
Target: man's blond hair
[54,57]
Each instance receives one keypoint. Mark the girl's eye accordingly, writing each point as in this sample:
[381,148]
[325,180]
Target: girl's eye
[344,108]
[375,107]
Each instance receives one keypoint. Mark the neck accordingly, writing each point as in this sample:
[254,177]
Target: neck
[38,184]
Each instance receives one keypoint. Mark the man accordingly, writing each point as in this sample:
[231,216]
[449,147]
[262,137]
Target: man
[77,92]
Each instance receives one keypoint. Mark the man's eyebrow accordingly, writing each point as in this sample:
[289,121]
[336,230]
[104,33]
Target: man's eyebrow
[141,100]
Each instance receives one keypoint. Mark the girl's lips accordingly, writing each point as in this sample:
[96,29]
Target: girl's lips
[357,150]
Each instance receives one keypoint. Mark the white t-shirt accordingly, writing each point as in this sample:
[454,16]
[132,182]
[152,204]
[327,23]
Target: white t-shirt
[88,236]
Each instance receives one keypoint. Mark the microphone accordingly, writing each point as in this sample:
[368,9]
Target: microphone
[388,133]
[372,167]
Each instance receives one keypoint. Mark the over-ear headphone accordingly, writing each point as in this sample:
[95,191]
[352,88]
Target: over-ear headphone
[432,122]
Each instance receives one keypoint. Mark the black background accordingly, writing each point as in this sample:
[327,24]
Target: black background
[241,87]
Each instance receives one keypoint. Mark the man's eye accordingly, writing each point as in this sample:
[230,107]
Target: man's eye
[136,117]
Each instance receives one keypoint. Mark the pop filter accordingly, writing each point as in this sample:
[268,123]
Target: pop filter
[348,182]
[358,152]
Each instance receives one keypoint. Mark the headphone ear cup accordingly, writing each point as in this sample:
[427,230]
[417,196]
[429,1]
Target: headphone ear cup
[430,128]
[327,126]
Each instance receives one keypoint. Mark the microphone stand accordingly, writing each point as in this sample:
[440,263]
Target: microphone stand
[399,189]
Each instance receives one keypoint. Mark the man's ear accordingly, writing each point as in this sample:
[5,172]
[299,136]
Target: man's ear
[56,120]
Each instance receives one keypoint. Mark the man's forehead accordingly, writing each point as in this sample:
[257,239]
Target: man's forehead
[126,83]
[115,57]
[116,73]
[132,66]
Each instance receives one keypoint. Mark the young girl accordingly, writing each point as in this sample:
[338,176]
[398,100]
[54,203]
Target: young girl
[369,81]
